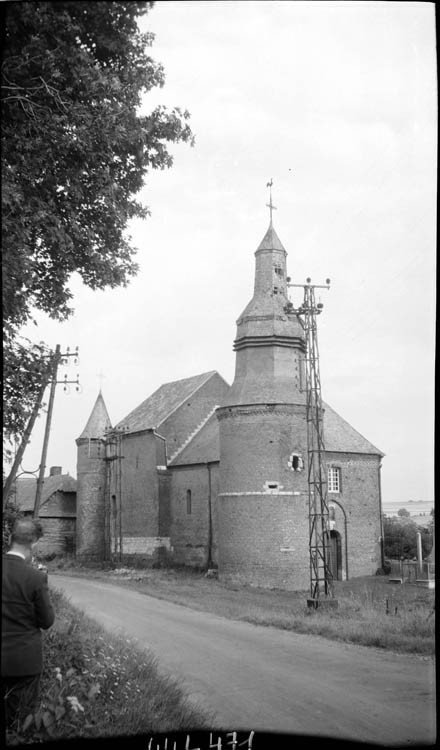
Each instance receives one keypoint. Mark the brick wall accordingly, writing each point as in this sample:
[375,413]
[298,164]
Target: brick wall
[263,530]
[256,444]
[263,540]
[91,479]
[190,531]
[359,497]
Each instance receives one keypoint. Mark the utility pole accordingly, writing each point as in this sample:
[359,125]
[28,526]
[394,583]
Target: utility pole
[321,578]
[57,358]
[26,435]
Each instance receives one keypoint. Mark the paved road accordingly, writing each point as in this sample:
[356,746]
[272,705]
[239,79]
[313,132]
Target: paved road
[252,677]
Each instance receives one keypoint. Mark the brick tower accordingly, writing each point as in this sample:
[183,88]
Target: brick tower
[91,484]
[263,498]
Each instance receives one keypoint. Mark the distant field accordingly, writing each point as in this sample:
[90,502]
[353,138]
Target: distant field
[417,510]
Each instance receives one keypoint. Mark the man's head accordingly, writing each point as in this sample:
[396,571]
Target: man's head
[25,533]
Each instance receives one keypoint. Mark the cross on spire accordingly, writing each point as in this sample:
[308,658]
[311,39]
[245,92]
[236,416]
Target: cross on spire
[270,205]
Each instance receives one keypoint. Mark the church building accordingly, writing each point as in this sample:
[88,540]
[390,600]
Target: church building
[205,474]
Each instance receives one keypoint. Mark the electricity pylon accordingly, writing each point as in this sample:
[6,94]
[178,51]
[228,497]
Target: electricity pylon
[321,578]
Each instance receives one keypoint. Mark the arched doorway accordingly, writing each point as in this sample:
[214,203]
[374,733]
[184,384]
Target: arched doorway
[335,554]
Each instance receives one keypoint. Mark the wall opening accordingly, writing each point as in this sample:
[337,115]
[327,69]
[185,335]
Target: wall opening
[296,462]
[335,554]
[188,502]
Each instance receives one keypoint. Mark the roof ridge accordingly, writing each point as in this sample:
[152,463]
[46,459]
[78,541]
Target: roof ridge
[192,434]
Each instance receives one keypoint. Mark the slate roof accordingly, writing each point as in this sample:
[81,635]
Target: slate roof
[204,446]
[271,241]
[98,422]
[341,437]
[152,412]
[26,489]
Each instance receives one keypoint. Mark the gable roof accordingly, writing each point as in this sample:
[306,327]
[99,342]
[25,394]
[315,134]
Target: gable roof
[98,422]
[202,446]
[341,437]
[152,412]
[25,489]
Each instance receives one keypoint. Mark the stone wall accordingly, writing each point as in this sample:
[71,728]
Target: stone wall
[58,536]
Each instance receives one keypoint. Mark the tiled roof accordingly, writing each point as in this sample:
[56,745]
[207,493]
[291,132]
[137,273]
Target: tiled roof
[341,437]
[99,420]
[163,402]
[26,489]
[203,447]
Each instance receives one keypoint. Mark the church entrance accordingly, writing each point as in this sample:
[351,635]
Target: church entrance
[335,555]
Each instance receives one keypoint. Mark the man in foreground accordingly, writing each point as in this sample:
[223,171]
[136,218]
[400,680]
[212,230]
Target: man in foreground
[26,608]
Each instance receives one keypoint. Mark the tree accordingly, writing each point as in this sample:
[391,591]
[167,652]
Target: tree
[24,370]
[403,513]
[75,154]
[400,538]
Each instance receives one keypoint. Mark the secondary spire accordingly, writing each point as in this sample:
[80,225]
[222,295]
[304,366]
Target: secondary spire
[270,205]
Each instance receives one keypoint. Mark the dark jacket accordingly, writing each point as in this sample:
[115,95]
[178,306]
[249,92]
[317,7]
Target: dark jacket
[26,608]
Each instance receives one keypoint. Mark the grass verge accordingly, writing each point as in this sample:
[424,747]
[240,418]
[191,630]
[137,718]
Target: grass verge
[371,611]
[96,684]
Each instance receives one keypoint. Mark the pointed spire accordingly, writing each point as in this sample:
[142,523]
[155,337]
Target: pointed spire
[99,420]
[271,241]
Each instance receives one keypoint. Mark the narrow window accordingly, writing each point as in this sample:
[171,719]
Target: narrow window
[334,479]
[188,502]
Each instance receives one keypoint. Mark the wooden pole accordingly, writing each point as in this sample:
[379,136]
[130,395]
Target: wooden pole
[26,435]
[40,480]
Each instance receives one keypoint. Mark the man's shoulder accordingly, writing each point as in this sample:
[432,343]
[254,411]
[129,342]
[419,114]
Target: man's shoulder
[16,565]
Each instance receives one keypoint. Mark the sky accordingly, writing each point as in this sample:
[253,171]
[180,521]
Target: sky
[337,103]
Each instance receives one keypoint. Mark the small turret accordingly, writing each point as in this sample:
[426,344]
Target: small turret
[91,484]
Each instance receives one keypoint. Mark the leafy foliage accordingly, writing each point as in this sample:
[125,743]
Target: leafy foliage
[9,517]
[25,365]
[401,538]
[75,154]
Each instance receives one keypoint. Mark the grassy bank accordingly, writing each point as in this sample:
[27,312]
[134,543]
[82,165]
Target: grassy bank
[371,611]
[98,685]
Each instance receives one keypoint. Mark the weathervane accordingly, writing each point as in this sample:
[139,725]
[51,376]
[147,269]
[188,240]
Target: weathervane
[270,205]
